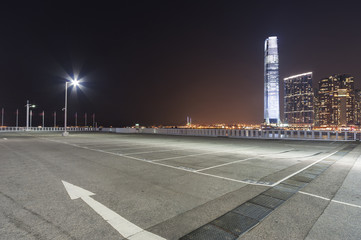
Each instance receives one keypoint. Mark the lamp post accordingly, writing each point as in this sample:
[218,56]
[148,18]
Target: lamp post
[17,119]
[74,82]
[76,119]
[54,119]
[2,117]
[28,106]
[31,118]
[27,114]
[43,114]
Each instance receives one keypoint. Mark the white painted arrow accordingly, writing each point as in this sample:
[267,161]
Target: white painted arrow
[123,226]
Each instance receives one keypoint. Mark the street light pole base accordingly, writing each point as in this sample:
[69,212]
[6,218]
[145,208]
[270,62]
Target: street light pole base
[64,134]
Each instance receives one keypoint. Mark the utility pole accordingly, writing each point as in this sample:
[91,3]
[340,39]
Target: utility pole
[76,119]
[2,117]
[27,114]
[43,118]
[31,117]
[54,118]
[65,133]
[17,118]
[93,119]
[85,116]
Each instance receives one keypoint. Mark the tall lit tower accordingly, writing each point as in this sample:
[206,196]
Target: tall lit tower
[271,82]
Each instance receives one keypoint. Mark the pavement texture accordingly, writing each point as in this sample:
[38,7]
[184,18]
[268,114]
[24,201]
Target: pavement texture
[173,186]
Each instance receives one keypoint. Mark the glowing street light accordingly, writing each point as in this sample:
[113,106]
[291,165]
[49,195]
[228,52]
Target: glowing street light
[28,106]
[74,82]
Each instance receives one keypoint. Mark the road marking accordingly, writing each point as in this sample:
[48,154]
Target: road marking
[168,150]
[291,175]
[225,164]
[123,226]
[192,155]
[195,171]
[237,161]
[316,196]
[345,203]
[190,170]
[165,165]
[332,200]
[235,180]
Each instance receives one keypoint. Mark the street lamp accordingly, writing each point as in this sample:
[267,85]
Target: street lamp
[28,106]
[74,82]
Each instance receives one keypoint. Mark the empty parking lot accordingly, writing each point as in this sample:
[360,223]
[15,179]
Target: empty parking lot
[171,187]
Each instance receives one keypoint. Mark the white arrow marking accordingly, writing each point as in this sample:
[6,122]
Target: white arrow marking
[123,226]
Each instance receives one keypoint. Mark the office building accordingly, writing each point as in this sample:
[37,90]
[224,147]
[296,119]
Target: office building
[358,107]
[298,100]
[271,82]
[336,101]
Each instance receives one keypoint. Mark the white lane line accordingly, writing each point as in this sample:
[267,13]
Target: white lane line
[184,169]
[313,195]
[225,164]
[156,151]
[129,148]
[134,148]
[156,162]
[328,199]
[348,204]
[116,147]
[192,155]
[291,175]
[122,225]
[169,166]
[168,150]
[237,161]
[234,180]
[299,157]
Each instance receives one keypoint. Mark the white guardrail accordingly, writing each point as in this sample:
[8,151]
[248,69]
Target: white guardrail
[245,133]
[47,129]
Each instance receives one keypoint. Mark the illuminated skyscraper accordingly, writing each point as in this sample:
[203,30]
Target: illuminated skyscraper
[358,107]
[298,100]
[271,82]
[336,101]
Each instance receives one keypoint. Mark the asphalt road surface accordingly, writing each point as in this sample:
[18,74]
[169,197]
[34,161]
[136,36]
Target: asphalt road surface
[137,186]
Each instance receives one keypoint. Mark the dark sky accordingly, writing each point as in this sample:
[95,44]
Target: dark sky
[153,62]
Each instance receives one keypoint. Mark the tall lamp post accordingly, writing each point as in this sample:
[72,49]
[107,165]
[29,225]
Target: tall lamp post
[74,82]
[28,106]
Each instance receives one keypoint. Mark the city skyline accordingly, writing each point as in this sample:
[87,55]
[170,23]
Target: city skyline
[152,63]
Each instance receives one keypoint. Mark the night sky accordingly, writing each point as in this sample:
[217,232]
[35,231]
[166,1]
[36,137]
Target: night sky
[158,62]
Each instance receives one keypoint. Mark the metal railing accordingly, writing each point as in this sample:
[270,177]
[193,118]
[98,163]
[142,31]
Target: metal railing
[231,133]
[47,129]
[248,133]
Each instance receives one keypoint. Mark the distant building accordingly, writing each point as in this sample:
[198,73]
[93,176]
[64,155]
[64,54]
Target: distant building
[298,100]
[271,82]
[358,107]
[336,101]
[316,108]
